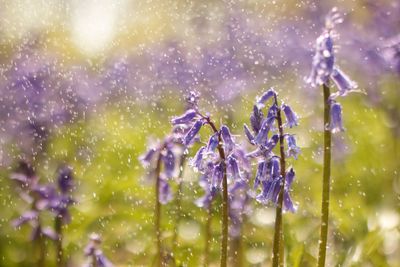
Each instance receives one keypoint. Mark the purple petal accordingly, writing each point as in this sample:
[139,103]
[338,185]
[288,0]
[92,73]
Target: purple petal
[233,168]
[169,163]
[293,150]
[196,161]
[343,82]
[266,96]
[291,117]
[229,145]
[249,135]
[336,124]
[213,143]
[191,134]
[185,118]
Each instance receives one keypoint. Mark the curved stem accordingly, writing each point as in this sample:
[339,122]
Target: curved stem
[326,180]
[178,201]
[157,212]
[225,200]
[207,237]
[278,248]
[59,248]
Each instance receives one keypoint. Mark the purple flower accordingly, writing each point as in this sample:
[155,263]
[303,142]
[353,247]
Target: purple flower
[95,254]
[265,97]
[249,135]
[256,119]
[169,162]
[65,179]
[229,145]
[213,143]
[291,117]
[262,135]
[271,144]
[289,178]
[288,203]
[191,134]
[186,118]
[196,161]
[343,82]
[217,176]
[147,158]
[165,192]
[293,150]
[336,124]
[233,168]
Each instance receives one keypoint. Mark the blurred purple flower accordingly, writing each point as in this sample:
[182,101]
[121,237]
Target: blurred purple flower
[336,124]
[96,257]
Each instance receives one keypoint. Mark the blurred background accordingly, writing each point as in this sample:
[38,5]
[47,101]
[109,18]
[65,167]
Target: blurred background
[86,83]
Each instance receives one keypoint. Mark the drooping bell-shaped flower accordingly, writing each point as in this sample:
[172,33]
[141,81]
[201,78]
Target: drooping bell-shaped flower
[229,144]
[256,118]
[291,117]
[186,118]
[198,158]
[248,133]
[191,134]
[65,179]
[165,192]
[265,97]
[212,143]
[293,150]
[169,162]
[343,82]
[217,176]
[233,168]
[336,124]
[262,135]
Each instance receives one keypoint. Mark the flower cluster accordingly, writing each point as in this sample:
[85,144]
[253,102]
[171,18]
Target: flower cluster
[269,174]
[324,69]
[42,197]
[95,254]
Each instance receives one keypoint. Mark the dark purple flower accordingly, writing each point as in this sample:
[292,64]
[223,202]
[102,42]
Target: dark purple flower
[213,143]
[293,150]
[271,144]
[229,145]
[289,178]
[336,124]
[185,118]
[343,82]
[191,134]
[288,203]
[65,179]
[261,174]
[291,117]
[256,119]
[275,170]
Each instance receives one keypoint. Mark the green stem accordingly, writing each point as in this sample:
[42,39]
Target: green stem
[237,253]
[59,248]
[207,236]
[178,204]
[326,180]
[157,212]
[225,200]
[42,249]
[278,247]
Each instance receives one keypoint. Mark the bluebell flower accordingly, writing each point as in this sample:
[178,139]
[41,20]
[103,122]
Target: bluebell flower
[291,117]
[198,158]
[343,82]
[265,97]
[165,192]
[168,158]
[336,124]
[65,179]
[233,168]
[256,119]
[226,136]
[213,143]
[95,255]
[248,133]
[186,118]
[217,177]
[191,134]
[262,135]
[293,150]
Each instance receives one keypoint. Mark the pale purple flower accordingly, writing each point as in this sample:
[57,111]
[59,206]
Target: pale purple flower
[291,117]
[233,168]
[249,135]
[293,150]
[65,179]
[229,144]
[165,192]
[256,119]
[343,82]
[186,118]
[262,135]
[169,162]
[197,160]
[336,124]
[95,255]
[265,97]
[217,177]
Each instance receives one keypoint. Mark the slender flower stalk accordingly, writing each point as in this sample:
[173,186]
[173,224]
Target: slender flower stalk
[278,251]
[272,176]
[225,200]
[157,211]
[326,179]
[59,241]
[324,70]
[178,202]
